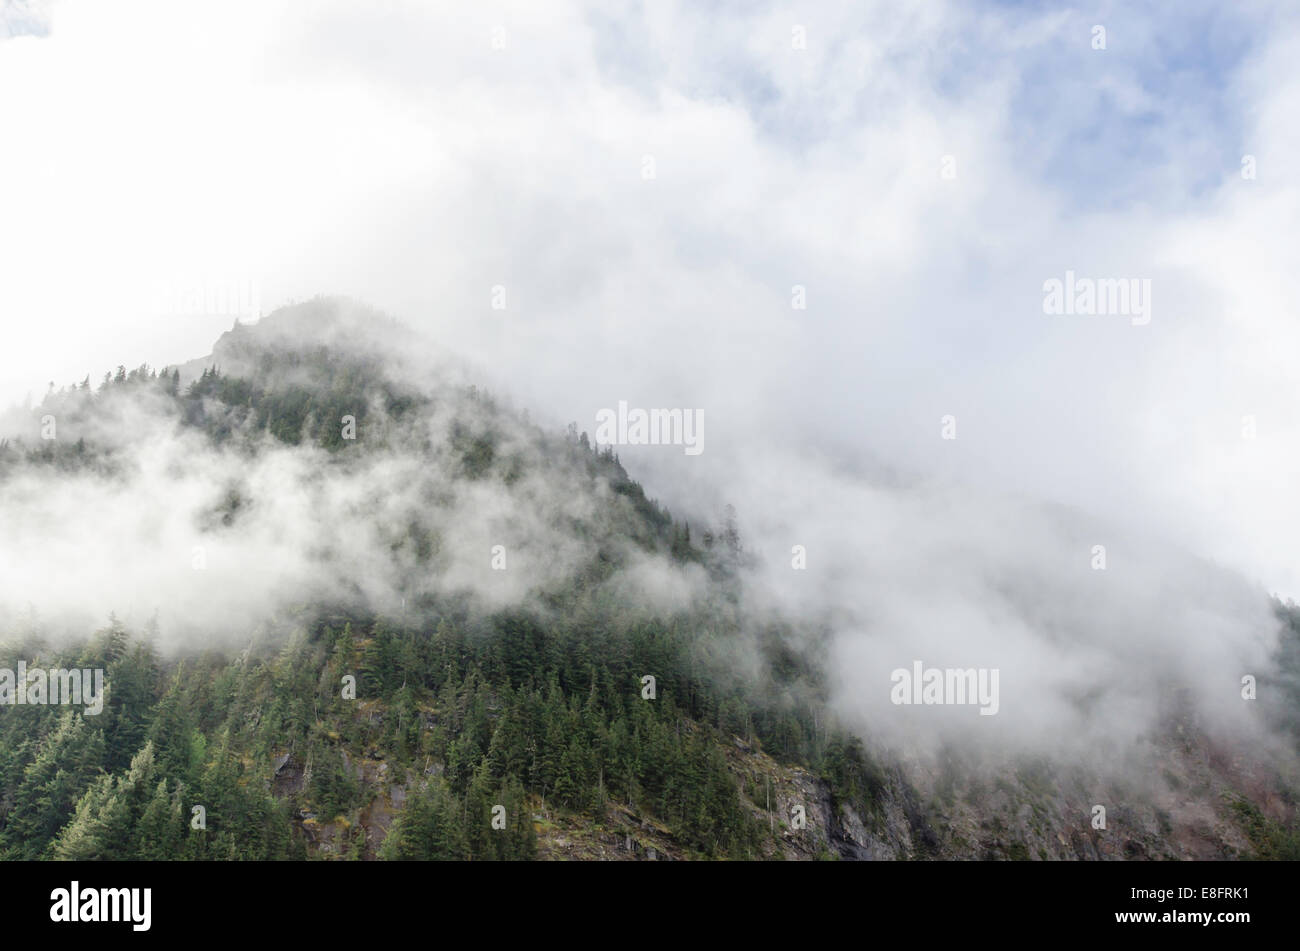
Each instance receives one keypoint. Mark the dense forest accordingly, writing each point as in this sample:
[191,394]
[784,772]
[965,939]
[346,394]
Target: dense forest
[543,708]
[512,714]
[438,726]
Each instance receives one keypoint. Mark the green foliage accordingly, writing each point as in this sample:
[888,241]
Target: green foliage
[460,711]
[556,718]
[1271,840]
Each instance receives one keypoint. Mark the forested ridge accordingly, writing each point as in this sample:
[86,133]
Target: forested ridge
[420,718]
[541,708]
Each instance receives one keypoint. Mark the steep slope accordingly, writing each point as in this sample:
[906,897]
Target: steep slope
[400,605]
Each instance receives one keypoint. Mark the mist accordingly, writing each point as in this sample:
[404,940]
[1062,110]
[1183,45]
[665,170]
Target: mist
[794,262]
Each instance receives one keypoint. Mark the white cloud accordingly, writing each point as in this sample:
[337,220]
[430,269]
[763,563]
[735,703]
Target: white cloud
[390,152]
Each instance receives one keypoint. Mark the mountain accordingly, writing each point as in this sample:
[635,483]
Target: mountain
[372,610]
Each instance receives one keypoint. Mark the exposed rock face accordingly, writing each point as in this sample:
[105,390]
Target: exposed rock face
[1038,811]
[287,776]
[1029,810]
